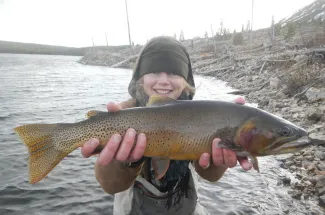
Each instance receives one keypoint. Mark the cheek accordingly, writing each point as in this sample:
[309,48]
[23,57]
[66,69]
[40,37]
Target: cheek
[246,139]
[148,80]
[148,83]
[255,143]
[147,89]
[259,143]
[178,84]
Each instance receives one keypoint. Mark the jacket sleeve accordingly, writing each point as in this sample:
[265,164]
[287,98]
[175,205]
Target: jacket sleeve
[212,173]
[116,177]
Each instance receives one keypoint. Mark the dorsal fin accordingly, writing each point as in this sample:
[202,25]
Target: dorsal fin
[92,113]
[157,100]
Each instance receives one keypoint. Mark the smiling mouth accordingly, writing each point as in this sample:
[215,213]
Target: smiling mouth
[163,92]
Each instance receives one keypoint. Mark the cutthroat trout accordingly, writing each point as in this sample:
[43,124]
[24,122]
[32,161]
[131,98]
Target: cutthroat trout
[178,130]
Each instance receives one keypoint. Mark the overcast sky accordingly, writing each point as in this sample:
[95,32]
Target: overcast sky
[76,22]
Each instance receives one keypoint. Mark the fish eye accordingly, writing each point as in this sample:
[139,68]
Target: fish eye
[255,131]
[285,131]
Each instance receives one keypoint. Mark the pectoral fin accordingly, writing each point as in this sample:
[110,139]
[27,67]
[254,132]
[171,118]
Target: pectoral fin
[227,143]
[254,161]
[159,166]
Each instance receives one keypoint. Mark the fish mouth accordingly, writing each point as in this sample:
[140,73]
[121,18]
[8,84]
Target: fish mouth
[288,145]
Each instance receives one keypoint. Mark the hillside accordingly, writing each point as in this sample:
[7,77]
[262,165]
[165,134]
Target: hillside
[310,13]
[32,48]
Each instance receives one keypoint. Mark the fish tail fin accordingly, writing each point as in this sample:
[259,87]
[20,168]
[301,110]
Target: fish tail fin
[43,156]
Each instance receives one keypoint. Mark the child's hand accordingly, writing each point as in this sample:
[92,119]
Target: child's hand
[224,157]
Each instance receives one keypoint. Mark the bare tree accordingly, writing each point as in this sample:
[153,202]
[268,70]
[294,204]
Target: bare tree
[127,18]
[272,29]
[181,36]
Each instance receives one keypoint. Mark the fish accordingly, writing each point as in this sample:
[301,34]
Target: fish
[175,130]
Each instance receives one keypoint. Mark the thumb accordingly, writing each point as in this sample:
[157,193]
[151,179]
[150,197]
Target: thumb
[240,100]
[112,107]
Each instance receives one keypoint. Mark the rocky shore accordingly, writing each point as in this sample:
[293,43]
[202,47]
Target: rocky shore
[307,110]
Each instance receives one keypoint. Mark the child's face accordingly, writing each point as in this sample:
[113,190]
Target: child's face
[164,84]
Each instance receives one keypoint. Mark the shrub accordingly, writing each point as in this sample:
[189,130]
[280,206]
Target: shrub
[303,76]
[237,39]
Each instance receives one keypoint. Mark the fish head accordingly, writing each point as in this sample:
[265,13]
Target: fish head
[271,135]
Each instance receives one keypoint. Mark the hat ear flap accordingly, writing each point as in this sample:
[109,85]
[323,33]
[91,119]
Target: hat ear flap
[190,77]
[132,87]
[185,96]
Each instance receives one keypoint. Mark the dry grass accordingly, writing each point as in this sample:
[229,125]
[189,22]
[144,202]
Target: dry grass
[303,75]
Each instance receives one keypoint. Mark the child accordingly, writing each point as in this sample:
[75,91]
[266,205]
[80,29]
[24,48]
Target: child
[163,68]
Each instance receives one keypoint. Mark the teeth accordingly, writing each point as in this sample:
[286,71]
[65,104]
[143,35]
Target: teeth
[163,91]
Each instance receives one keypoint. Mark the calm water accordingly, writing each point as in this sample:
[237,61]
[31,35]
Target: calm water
[49,89]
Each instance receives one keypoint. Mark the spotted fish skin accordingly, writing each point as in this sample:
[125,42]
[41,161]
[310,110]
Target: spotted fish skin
[178,130]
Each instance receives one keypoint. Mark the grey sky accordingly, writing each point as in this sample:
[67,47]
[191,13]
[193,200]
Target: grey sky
[76,22]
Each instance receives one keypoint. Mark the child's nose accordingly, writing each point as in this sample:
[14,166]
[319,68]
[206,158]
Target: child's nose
[163,76]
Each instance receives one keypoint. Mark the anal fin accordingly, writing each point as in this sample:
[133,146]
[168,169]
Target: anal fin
[159,166]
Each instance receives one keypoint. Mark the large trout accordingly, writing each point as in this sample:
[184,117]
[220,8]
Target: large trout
[178,130]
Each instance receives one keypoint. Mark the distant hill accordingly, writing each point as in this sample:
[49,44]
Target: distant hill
[305,27]
[32,48]
[310,13]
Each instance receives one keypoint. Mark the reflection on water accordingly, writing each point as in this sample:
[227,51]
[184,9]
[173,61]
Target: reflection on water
[49,89]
